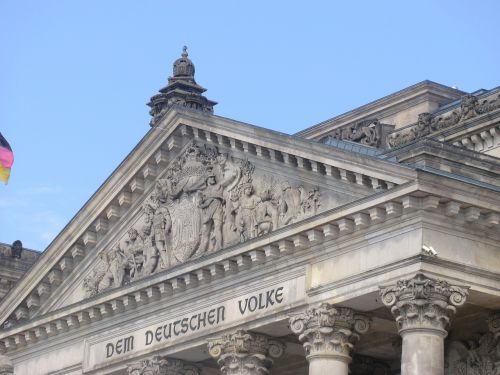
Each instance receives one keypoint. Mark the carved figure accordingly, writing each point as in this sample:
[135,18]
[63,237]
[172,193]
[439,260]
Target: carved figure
[428,123]
[212,201]
[116,264]
[366,132]
[134,253]
[290,207]
[248,212]
[204,201]
[162,223]
[150,252]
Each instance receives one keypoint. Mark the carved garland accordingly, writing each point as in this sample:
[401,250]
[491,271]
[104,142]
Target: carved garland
[206,201]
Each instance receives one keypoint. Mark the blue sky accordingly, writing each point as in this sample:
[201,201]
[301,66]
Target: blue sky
[75,77]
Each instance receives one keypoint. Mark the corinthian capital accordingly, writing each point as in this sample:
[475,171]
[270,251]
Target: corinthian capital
[245,353]
[423,303]
[6,367]
[494,323]
[329,331]
[162,366]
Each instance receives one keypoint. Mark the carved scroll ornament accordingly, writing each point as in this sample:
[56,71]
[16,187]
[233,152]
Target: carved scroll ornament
[328,330]
[422,302]
[245,353]
[206,201]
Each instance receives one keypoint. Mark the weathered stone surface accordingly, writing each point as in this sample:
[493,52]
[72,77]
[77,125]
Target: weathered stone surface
[245,353]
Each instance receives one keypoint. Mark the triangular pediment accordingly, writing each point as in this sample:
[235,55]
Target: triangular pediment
[195,184]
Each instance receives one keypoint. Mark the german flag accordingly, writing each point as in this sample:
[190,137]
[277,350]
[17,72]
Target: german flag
[6,159]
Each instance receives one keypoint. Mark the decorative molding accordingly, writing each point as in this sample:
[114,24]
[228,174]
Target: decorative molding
[246,353]
[6,367]
[288,241]
[423,303]
[329,331]
[479,355]
[369,132]
[206,201]
[162,366]
[428,123]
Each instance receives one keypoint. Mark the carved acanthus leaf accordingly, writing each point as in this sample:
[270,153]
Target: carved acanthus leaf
[422,302]
[329,330]
[245,353]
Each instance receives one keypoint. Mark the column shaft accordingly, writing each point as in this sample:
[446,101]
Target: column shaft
[327,366]
[423,308]
[423,353]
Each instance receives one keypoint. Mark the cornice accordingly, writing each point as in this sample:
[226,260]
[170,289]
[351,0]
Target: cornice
[329,225]
[385,106]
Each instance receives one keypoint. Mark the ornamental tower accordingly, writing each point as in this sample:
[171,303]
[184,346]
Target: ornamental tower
[182,90]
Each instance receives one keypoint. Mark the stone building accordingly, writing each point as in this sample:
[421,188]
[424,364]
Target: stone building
[15,260]
[367,244]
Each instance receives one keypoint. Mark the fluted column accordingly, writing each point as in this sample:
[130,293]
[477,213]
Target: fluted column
[245,353]
[328,334]
[162,366]
[423,308]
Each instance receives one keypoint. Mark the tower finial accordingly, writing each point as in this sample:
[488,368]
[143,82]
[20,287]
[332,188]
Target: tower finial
[182,90]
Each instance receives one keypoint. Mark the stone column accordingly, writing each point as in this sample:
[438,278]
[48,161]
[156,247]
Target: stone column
[245,353]
[6,367]
[494,328]
[328,334]
[423,309]
[162,366]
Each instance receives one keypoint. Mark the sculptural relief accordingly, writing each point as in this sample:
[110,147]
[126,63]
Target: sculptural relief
[427,123]
[205,201]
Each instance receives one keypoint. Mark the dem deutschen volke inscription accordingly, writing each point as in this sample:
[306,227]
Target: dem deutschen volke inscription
[174,330]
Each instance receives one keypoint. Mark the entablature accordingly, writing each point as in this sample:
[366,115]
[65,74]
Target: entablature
[288,242]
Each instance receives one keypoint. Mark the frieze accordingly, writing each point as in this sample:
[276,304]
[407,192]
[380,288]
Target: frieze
[205,201]
[428,123]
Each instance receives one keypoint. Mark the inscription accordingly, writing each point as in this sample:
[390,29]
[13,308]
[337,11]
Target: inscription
[261,301]
[195,323]
[121,346]
[185,325]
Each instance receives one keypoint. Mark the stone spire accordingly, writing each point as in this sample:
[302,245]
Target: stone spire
[182,90]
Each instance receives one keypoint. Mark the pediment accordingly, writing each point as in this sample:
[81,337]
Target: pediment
[194,185]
